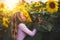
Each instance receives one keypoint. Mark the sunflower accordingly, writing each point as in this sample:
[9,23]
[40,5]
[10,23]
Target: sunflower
[40,9]
[37,4]
[52,6]
[2,6]
[5,22]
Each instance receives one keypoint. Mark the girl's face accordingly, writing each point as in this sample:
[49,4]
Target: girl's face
[23,17]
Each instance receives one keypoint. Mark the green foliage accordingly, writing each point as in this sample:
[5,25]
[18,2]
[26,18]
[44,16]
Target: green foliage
[43,15]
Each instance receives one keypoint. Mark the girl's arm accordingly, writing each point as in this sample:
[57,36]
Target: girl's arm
[24,28]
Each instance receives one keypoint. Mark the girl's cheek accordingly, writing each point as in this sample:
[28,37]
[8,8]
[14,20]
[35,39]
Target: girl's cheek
[24,18]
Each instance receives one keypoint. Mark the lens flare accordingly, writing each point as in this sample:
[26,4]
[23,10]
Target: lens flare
[11,4]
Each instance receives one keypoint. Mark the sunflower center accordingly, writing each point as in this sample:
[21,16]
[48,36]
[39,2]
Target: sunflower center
[52,5]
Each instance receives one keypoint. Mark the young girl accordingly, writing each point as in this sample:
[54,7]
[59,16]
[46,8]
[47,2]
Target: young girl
[19,30]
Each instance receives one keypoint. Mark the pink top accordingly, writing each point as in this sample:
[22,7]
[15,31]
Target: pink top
[23,30]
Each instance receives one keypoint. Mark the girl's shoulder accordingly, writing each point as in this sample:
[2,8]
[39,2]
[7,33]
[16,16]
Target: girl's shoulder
[21,25]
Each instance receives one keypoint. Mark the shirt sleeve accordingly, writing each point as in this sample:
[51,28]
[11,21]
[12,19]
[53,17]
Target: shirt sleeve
[24,28]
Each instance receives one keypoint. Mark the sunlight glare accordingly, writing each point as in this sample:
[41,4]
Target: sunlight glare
[11,4]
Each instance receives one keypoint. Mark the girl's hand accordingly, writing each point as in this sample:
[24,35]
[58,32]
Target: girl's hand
[34,31]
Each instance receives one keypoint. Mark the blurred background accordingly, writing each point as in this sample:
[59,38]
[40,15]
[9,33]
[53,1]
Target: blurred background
[43,14]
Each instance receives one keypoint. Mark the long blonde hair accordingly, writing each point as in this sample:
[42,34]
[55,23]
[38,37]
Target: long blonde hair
[15,20]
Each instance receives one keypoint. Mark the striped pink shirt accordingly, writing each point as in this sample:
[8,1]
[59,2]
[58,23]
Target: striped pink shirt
[23,30]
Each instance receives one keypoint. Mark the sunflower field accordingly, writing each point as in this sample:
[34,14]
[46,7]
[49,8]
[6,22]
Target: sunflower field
[41,15]
[46,12]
